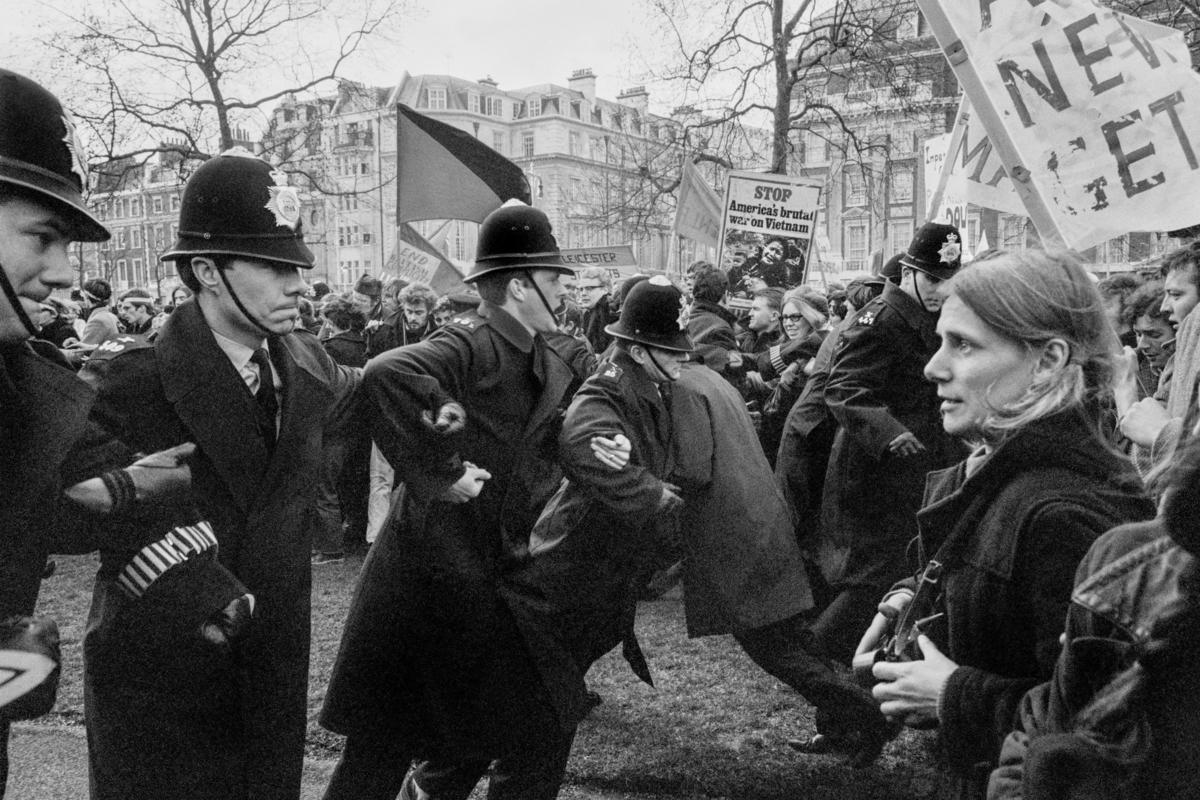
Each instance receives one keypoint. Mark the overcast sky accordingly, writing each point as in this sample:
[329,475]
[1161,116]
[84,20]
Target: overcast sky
[517,42]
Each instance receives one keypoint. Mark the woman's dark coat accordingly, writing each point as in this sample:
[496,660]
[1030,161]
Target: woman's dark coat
[1010,538]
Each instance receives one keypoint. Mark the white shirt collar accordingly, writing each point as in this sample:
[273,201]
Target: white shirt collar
[238,353]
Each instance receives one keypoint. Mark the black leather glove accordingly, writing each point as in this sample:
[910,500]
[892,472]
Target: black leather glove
[29,667]
[229,624]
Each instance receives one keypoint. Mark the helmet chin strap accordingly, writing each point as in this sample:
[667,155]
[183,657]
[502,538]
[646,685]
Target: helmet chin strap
[541,295]
[657,366]
[917,289]
[238,302]
[15,301]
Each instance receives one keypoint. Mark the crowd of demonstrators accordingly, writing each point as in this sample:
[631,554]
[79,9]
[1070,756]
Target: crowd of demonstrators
[914,473]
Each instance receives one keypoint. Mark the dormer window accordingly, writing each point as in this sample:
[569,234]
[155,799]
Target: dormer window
[437,98]
[534,107]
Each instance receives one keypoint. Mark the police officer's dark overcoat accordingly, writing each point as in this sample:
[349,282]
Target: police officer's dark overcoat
[876,392]
[231,725]
[421,659]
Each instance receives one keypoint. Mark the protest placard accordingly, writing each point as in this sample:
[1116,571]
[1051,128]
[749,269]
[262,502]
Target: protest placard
[617,260]
[1091,112]
[767,229]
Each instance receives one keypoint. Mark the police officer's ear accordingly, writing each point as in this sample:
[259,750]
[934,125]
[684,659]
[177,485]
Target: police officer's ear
[205,270]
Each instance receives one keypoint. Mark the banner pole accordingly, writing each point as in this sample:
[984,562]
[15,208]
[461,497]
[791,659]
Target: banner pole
[993,126]
[952,150]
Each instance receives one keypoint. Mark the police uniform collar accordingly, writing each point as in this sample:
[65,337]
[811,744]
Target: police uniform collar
[908,307]
[507,326]
[639,381]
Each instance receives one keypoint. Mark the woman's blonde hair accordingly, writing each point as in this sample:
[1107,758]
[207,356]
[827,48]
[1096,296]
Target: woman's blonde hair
[812,315]
[1032,297]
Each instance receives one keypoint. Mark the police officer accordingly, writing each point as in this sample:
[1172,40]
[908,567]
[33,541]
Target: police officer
[890,435]
[430,664]
[221,715]
[43,407]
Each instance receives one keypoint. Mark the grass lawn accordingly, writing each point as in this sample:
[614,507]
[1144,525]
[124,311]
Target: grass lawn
[714,725]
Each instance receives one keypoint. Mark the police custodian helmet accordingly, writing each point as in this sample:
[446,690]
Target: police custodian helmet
[41,153]
[236,204]
[936,250]
[653,314]
[516,236]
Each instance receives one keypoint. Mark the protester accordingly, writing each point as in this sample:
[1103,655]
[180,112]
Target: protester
[889,434]
[1115,292]
[806,441]
[710,325]
[410,323]
[469,417]
[785,366]
[594,291]
[1159,426]
[221,716]
[346,452]
[1024,364]
[135,308]
[442,313]
[57,322]
[1120,718]
[1153,334]
[101,324]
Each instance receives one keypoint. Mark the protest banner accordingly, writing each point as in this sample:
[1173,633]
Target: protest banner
[974,176]
[698,211]
[1090,111]
[618,259]
[416,260]
[758,210]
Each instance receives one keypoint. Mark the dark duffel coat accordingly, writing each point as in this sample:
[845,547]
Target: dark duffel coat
[877,391]
[421,660]
[1010,538]
[742,566]
[229,724]
[599,538]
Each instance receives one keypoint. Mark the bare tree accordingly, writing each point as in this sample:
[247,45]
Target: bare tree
[770,63]
[185,75]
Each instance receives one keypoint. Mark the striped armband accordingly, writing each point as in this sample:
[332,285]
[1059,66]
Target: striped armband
[775,354]
[152,561]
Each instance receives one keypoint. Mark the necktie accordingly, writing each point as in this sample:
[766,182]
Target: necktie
[268,405]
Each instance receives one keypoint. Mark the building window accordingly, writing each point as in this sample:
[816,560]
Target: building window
[534,104]
[856,245]
[576,110]
[527,144]
[437,98]
[901,231]
[816,150]
[494,106]
[1012,232]
[122,271]
[473,103]
[158,204]
[174,202]
[498,142]
[575,143]
[135,237]
[121,239]
[139,278]
[902,185]
[856,187]
[135,207]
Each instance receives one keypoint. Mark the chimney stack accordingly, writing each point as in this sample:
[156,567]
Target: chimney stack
[584,82]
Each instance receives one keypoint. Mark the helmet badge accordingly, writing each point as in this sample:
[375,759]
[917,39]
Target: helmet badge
[285,201]
[950,251]
[76,149]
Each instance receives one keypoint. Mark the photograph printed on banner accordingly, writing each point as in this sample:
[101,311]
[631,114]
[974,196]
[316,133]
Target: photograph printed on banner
[767,230]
